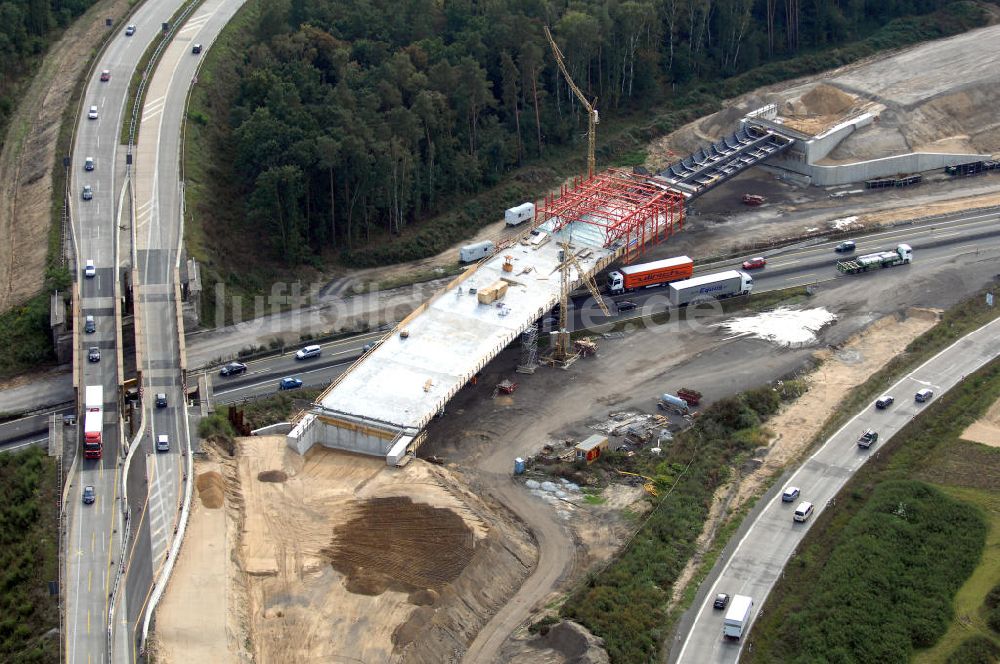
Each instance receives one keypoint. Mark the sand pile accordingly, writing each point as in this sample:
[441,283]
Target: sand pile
[210,489]
[826,100]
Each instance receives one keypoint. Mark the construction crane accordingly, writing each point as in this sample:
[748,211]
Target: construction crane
[592,117]
[562,351]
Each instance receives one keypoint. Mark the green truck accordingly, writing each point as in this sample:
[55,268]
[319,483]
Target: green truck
[877,261]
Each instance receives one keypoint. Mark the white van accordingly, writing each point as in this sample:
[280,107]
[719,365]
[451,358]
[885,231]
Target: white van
[307,352]
[803,511]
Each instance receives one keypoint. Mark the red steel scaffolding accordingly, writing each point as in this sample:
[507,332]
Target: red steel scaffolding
[632,210]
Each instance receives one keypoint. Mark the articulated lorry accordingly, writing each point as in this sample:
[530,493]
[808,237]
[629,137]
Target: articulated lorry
[93,422]
[737,617]
[877,261]
[646,275]
[718,286]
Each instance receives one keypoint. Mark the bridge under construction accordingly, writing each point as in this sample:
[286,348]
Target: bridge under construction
[383,402]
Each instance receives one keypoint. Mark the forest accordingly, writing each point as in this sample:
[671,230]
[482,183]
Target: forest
[27,27]
[354,120]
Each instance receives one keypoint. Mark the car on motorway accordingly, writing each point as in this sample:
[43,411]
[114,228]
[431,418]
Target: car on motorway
[87,193]
[845,247]
[89,325]
[105,75]
[721,601]
[196,49]
[129,30]
[233,369]
[94,354]
[626,305]
[884,401]
[790,494]
[307,352]
[88,164]
[90,270]
[923,395]
[803,511]
[371,345]
[289,383]
[755,263]
[163,443]
[161,400]
[92,113]
[868,438]
[89,495]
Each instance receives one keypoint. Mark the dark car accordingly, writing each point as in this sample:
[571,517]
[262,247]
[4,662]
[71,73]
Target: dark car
[721,601]
[289,383]
[196,49]
[105,76]
[884,401]
[868,438]
[233,369]
[790,494]
[161,400]
[89,325]
[755,263]
[94,354]
[626,305]
[89,496]
[845,247]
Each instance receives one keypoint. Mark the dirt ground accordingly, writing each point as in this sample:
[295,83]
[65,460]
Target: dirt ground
[797,423]
[340,558]
[194,622]
[985,430]
[29,152]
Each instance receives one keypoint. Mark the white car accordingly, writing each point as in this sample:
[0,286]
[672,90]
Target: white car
[307,352]
[92,113]
[162,443]
[89,270]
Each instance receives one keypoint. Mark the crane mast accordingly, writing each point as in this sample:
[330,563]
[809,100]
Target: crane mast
[592,116]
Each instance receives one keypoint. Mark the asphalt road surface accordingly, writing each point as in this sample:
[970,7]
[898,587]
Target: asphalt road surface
[771,540]
[155,476]
[94,531]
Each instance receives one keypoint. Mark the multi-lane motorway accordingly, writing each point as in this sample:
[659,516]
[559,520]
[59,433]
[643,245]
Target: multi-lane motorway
[94,530]
[772,537]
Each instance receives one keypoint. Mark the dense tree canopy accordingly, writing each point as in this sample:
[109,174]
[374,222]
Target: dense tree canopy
[26,28]
[361,115]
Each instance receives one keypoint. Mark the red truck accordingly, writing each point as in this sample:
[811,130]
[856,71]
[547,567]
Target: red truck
[93,422]
[645,275]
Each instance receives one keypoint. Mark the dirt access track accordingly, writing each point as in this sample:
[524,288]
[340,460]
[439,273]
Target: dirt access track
[29,152]
[335,558]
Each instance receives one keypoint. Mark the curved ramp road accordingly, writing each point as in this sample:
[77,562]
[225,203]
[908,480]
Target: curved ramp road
[772,538]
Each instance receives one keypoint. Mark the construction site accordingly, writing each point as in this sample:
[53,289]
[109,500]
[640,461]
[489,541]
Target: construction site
[393,522]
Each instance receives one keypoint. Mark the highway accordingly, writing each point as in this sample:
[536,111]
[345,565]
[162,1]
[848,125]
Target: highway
[94,531]
[155,478]
[934,245]
[759,557]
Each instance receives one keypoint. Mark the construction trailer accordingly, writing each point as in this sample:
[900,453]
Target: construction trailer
[520,214]
[471,253]
[591,448]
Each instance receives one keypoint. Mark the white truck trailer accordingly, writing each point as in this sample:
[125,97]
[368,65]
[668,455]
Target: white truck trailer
[474,252]
[737,617]
[718,286]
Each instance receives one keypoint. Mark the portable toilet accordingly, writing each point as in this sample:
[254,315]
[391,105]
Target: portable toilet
[591,448]
[520,214]
[519,466]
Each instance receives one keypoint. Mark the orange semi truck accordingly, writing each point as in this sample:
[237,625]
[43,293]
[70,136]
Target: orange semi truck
[645,275]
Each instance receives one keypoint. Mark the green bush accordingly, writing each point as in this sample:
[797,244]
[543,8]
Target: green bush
[216,425]
[886,588]
[624,604]
[28,556]
[975,650]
